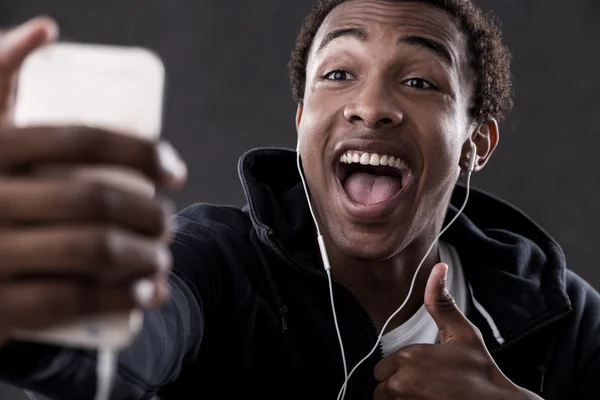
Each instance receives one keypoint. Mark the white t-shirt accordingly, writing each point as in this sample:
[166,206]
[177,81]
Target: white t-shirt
[421,328]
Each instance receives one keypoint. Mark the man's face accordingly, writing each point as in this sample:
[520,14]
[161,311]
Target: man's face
[387,85]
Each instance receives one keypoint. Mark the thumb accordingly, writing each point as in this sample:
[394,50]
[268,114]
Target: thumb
[15,45]
[440,304]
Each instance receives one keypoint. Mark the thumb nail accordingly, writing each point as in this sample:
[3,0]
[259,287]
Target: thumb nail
[445,275]
[50,26]
[52,33]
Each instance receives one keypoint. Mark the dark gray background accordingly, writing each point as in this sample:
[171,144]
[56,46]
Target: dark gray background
[228,91]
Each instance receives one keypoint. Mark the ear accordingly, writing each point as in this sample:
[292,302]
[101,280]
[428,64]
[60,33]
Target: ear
[486,137]
[299,115]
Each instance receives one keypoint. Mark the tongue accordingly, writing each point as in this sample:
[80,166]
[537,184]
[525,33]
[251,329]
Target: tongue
[368,189]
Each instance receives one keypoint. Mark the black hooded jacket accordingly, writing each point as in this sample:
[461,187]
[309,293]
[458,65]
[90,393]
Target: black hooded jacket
[250,313]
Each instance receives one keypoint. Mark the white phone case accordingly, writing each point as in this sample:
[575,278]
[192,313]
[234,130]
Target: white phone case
[118,88]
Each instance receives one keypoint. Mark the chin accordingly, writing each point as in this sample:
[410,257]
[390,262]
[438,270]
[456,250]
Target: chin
[366,245]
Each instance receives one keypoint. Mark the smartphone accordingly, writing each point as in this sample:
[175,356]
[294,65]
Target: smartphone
[113,87]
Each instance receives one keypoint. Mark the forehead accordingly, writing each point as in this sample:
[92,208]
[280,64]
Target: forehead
[391,19]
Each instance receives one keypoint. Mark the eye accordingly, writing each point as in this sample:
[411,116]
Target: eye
[419,83]
[339,75]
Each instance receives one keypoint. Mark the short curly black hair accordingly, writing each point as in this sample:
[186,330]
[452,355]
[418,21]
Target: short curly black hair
[490,59]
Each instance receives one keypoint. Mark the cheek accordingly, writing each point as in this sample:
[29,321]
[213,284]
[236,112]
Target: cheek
[311,142]
[313,131]
[308,132]
[447,145]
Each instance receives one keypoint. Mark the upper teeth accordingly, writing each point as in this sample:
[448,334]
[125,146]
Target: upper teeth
[358,157]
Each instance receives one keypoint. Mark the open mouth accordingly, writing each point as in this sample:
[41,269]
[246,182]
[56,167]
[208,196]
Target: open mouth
[371,179]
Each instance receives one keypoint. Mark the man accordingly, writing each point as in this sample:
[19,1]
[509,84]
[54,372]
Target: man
[392,96]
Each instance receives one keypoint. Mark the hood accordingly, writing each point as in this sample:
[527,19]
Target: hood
[516,271]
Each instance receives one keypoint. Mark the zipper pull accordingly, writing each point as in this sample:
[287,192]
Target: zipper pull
[542,369]
[283,312]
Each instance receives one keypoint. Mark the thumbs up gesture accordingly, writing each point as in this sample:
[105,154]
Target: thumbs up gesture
[459,367]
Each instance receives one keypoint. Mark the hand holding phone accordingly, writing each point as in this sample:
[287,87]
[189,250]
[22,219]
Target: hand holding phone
[79,225]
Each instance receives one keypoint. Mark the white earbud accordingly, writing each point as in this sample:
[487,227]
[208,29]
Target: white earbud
[472,157]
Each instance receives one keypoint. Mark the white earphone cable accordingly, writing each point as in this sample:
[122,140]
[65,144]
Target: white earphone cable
[106,368]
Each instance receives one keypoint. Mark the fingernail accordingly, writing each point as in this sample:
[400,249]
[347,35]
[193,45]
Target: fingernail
[144,292]
[51,27]
[52,32]
[164,259]
[170,162]
[445,276]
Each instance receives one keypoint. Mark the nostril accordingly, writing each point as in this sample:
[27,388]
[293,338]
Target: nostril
[386,121]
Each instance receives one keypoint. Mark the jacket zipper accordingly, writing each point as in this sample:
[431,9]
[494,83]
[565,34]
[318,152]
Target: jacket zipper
[542,368]
[321,274]
[283,310]
[530,332]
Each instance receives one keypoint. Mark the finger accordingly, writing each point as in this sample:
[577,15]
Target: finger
[440,304]
[386,368]
[40,304]
[44,201]
[33,146]
[161,289]
[381,392]
[15,46]
[100,254]
[407,356]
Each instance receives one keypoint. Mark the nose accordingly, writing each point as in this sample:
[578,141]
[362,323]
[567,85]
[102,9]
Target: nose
[374,107]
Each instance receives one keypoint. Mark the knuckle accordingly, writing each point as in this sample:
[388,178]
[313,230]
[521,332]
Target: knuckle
[394,386]
[402,355]
[104,247]
[407,354]
[99,200]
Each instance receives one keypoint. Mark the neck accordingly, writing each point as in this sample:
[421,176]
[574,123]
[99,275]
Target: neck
[382,286]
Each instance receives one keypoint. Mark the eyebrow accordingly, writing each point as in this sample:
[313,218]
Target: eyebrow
[412,40]
[357,33]
[429,44]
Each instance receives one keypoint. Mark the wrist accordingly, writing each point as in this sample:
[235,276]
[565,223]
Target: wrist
[511,391]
